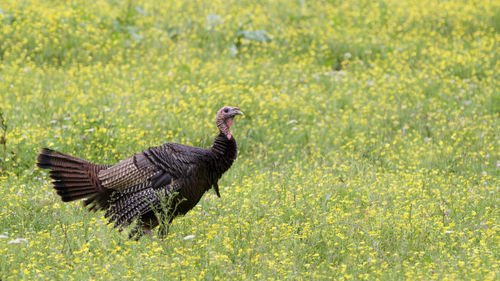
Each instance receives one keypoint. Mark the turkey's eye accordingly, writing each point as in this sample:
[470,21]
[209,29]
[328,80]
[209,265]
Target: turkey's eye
[226,110]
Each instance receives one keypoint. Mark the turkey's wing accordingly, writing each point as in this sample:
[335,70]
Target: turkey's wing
[154,167]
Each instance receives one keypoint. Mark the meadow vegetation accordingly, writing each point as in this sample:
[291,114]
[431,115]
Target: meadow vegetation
[369,149]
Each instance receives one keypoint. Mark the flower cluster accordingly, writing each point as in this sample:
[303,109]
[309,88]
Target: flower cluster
[368,150]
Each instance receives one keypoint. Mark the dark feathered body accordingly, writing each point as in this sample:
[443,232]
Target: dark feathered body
[173,175]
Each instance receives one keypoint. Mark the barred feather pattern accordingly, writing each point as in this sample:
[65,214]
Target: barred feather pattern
[134,189]
[123,211]
[125,174]
[121,200]
[126,208]
[179,169]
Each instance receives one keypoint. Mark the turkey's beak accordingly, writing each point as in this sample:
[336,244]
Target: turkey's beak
[236,111]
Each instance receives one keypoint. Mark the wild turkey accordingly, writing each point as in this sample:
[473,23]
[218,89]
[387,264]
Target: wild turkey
[153,186]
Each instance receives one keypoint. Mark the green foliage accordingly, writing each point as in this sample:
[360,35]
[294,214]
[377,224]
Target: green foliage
[368,150]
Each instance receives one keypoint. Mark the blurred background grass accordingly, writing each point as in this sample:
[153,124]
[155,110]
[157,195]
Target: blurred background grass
[382,114]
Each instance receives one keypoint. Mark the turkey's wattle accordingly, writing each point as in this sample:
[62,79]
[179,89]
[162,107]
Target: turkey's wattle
[154,185]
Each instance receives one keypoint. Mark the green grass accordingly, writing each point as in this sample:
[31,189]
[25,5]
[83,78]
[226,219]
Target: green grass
[369,148]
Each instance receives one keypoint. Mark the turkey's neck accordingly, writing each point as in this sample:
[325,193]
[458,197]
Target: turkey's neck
[224,151]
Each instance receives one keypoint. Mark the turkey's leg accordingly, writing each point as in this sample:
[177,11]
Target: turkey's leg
[147,230]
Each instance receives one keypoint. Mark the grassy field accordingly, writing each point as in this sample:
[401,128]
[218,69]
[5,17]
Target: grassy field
[370,148]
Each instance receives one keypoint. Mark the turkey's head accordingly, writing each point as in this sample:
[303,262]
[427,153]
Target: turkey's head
[225,117]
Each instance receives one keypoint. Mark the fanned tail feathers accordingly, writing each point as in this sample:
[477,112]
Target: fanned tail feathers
[73,178]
